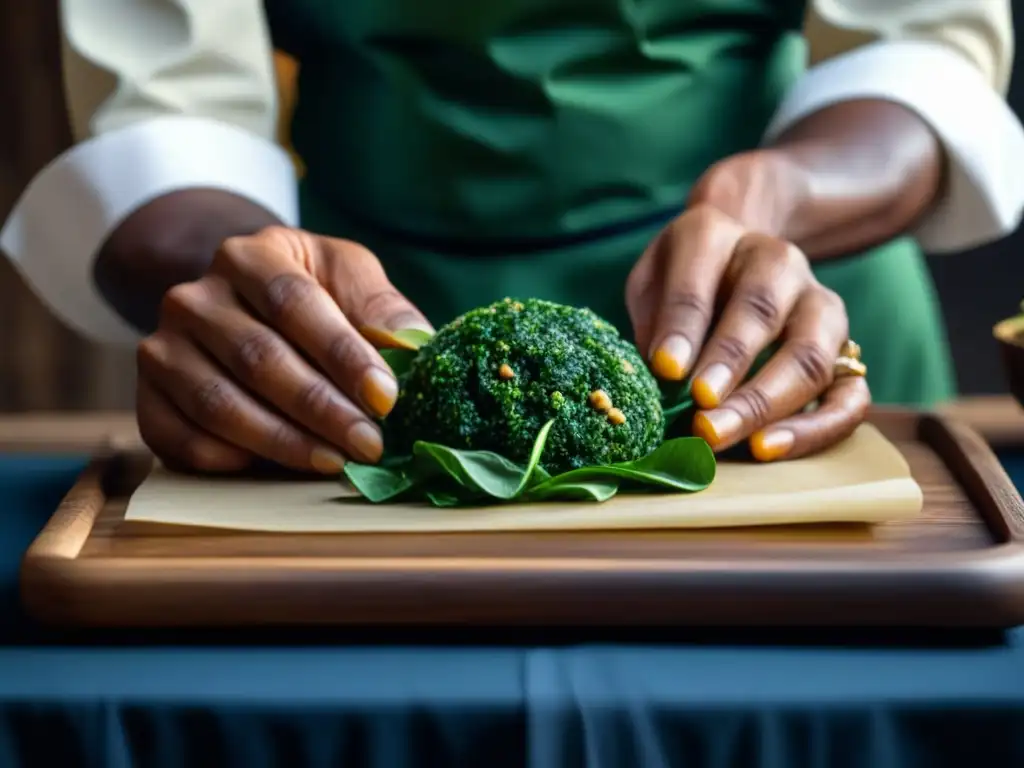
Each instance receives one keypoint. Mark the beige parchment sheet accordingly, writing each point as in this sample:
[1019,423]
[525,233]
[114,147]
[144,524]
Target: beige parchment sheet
[863,479]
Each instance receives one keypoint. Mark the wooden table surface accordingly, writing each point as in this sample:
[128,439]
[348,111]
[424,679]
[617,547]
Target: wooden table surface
[998,418]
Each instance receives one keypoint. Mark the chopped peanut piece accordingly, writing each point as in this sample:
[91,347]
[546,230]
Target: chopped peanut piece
[600,400]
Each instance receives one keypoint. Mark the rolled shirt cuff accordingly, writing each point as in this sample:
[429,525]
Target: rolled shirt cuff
[70,208]
[983,198]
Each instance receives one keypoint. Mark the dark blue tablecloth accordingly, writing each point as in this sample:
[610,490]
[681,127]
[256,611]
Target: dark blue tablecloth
[595,704]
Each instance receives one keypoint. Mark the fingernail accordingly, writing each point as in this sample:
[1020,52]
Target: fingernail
[709,387]
[379,391]
[364,441]
[671,358]
[717,427]
[771,445]
[385,337]
[326,461]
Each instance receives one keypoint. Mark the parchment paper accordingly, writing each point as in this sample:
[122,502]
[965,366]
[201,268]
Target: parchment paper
[863,479]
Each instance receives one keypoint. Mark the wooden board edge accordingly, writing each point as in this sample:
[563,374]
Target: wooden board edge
[49,566]
[973,463]
[97,593]
[983,588]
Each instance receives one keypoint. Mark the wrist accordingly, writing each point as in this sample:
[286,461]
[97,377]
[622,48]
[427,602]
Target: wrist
[766,190]
[168,241]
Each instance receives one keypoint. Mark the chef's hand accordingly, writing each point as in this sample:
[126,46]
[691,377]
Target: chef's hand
[712,291]
[268,355]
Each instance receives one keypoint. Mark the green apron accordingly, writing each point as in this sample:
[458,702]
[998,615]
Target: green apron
[491,148]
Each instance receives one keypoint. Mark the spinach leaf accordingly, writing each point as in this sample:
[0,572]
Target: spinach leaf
[682,464]
[448,477]
[479,471]
[399,360]
[405,338]
[579,490]
[378,483]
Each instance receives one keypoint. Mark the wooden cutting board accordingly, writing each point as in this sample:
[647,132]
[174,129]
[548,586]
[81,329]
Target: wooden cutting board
[959,562]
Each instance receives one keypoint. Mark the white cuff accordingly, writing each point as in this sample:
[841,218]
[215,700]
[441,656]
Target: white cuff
[66,214]
[983,140]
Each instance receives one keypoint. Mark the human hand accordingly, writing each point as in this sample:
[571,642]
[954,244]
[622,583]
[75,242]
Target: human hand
[269,355]
[713,269]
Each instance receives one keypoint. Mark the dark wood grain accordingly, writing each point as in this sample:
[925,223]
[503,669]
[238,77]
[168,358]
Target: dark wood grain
[959,563]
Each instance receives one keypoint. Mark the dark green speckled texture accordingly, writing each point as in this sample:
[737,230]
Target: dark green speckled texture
[454,395]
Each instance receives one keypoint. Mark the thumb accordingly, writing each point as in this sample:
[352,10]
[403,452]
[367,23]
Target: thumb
[357,281]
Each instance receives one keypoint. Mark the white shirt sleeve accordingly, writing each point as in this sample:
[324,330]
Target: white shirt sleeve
[950,62]
[159,99]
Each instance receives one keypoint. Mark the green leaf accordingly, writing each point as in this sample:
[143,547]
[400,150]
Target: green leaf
[480,471]
[448,477]
[586,490]
[413,338]
[444,499]
[682,464]
[378,483]
[399,360]
[477,471]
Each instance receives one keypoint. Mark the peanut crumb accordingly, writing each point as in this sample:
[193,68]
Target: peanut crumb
[600,401]
[628,367]
[506,372]
[616,417]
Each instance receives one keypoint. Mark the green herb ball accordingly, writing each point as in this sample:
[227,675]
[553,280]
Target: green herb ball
[493,377]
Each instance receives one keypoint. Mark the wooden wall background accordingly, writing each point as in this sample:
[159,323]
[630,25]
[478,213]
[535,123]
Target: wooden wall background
[44,366]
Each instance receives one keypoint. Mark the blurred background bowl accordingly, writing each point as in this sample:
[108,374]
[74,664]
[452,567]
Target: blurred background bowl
[1010,335]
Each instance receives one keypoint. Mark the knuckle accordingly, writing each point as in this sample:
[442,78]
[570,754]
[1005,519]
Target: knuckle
[211,402]
[831,309]
[232,253]
[758,302]
[830,299]
[276,233]
[792,257]
[286,293]
[734,351]
[356,253]
[194,453]
[688,302]
[288,445]
[755,403]
[256,355]
[150,354]
[702,217]
[182,299]
[813,363]
[342,354]
[383,302]
[317,401]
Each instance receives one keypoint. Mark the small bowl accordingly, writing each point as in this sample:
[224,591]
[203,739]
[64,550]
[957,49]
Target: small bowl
[1010,335]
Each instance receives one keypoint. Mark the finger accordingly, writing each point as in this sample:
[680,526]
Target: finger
[207,397]
[360,285]
[794,376]
[643,293]
[770,275]
[277,275]
[696,250]
[843,408]
[266,365]
[178,443]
